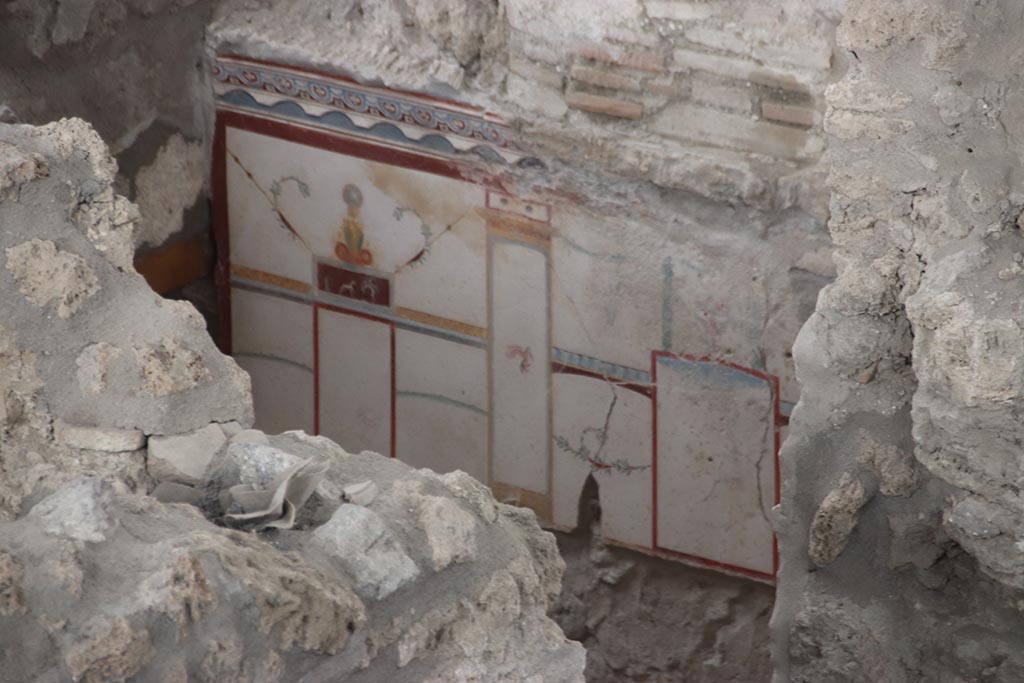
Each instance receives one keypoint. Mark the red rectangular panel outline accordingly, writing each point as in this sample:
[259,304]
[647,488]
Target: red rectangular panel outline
[773,383]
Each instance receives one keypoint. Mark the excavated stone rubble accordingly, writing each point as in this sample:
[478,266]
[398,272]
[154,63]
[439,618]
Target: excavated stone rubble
[258,558]
[901,523]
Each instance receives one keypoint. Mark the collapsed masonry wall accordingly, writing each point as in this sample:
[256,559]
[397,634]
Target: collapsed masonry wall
[900,522]
[255,558]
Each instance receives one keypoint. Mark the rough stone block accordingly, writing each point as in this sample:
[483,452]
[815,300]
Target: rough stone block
[184,458]
[98,438]
[450,530]
[361,542]
[77,511]
[249,436]
[609,106]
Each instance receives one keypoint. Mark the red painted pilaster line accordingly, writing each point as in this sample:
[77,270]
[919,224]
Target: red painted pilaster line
[316,369]
[222,267]
[394,395]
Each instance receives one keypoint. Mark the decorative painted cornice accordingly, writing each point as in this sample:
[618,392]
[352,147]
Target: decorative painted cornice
[366,107]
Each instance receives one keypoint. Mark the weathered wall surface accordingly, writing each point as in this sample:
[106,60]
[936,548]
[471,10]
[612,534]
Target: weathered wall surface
[900,523]
[255,558]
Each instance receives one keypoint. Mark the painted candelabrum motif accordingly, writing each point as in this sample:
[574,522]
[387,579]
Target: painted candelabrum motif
[350,245]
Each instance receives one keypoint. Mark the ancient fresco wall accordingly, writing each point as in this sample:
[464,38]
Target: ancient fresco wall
[387,289]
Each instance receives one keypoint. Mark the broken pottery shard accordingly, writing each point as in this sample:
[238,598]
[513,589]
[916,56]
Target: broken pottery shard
[360,493]
[835,520]
[277,505]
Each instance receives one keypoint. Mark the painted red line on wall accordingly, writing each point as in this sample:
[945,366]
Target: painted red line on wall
[222,266]
[316,369]
[773,384]
[654,450]
[779,417]
[563,369]
[394,395]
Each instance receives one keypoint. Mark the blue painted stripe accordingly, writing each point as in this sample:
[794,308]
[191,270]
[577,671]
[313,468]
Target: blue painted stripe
[578,360]
[722,375]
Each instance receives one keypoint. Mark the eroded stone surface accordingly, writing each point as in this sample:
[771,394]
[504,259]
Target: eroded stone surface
[45,274]
[911,365]
[360,541]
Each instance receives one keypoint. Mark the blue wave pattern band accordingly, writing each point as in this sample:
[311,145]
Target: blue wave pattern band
[364,102]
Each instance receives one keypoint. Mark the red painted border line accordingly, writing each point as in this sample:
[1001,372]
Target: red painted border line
[394,396]
[563,369]
[316,369]
[773,384]
[654,450]
[221,271]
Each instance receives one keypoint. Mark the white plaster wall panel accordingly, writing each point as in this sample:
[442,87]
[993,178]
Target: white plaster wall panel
[257,238]
[715,463]
[520,366]
[271,326]
[456,265]
[272,339]
[719,301]
[441,403]
[355,381]
[626,505]
[621,467]
[606,294]
[438,436]
[282,395]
